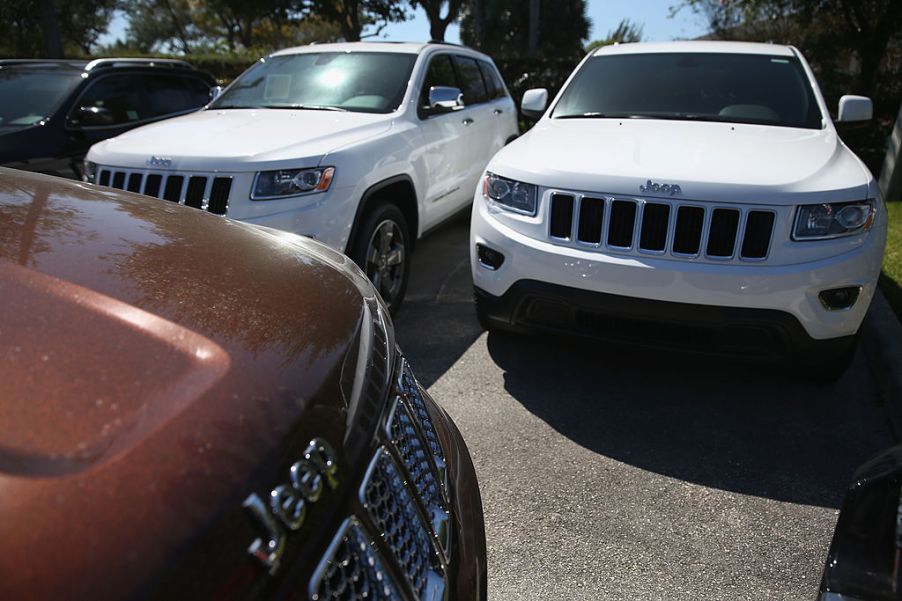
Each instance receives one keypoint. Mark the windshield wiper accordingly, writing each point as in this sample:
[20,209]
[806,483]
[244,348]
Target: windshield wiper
[603,116]
[306,107]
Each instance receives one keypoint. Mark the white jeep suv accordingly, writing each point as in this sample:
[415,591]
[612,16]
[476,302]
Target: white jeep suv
[688,193]
[364,146]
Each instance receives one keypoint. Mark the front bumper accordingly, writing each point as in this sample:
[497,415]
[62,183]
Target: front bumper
[788,289]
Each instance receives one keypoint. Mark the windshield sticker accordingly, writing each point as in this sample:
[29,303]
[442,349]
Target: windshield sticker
[277,87]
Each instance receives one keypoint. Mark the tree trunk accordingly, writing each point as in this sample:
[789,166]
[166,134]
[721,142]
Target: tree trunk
[533,47]
[50,28]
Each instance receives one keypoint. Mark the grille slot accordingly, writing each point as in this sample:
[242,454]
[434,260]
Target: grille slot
[759,226]
[394,513]
[173,190]
[655,218]
[194,195]
[687,236]
[623,217]
[134,182]
[561,215]
[352,569]
[591,220]
[119,180]
[152,185]
[411,390]
[104,178]
[722,237]
[219,195]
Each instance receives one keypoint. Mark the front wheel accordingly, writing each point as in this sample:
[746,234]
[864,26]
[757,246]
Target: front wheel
[382,250]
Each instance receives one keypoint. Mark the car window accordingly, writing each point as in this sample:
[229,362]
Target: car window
[740,88]
[494,85]
[366,82]
[27,97]
[439,73]
[169,94]
[118,94]
[471,82]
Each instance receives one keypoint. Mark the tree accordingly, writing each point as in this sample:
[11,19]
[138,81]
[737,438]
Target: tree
[437,23]
[626,32]
[352,16]
[41,28]
[501,28]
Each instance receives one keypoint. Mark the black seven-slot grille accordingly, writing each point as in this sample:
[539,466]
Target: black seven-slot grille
[657,227]
[207,192]
[400,540]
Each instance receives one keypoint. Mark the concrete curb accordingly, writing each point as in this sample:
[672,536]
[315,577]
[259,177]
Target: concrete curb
[882,342]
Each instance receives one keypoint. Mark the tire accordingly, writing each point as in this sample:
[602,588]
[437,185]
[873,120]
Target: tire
[381,249]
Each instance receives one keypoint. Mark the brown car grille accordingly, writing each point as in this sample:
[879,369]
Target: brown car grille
[685,230]
[206,192]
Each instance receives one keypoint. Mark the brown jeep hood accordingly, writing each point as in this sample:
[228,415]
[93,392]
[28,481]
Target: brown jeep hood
[150,356]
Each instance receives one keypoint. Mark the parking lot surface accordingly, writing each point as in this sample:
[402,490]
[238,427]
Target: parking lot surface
[609,473]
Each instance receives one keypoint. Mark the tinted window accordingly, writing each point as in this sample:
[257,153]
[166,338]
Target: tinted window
[470,80]
[369,82]
[740,88]
[26,97]
[493,84]
[118,94]
[440,73]
[168,94]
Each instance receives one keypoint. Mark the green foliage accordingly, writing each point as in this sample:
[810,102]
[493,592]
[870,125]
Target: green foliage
[891,279]
[79,25]
[232,26]
[352,16]
[626,32]
[500,28]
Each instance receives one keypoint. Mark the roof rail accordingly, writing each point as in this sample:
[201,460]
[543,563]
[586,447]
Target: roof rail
[447,43]
[147,62]
[7,62]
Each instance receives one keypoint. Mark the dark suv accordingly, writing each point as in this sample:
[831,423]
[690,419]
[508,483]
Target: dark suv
[52,111]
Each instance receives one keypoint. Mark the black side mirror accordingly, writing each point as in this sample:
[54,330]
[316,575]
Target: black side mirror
[93,116]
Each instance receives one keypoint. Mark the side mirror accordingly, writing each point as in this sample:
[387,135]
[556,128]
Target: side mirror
[854,109]
[534,102]
[215,91]
[444,99]
[93,116]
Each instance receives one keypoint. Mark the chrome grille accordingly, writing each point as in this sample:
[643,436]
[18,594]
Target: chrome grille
[685,230]
[410,389]
[393,510]
[201,191]
[352,569]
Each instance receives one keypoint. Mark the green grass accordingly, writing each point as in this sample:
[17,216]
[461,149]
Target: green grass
[891,279]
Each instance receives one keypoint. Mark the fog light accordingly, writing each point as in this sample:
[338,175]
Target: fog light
[839,298]
[489,258]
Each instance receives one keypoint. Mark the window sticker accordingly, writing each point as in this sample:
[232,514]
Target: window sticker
[132,115]
[278,85]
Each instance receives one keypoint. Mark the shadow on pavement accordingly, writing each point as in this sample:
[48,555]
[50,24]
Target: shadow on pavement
[702,420]
[437,323]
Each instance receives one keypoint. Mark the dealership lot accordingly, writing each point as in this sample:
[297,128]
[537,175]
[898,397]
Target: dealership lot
[612,473]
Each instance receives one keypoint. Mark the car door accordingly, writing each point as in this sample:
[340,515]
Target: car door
[445,145]
[504,111]
[478,120]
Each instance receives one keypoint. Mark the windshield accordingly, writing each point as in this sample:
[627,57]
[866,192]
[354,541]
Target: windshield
[27,97]
[737,88]
[368,82]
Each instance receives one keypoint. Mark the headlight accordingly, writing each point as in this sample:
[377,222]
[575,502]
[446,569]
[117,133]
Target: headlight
[291,182]
[509,194]
[832,220]
[89,172]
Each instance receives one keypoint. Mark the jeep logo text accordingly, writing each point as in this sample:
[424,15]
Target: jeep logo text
[666,189]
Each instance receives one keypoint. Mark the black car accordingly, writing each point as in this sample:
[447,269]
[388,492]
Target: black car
[52,111]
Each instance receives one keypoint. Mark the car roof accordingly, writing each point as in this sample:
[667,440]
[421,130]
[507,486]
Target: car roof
[699,46]
[392,47]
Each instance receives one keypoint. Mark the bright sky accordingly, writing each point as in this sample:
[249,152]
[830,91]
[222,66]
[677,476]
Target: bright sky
[605,15]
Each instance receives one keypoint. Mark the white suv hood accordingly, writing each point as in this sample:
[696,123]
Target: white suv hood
[718,162]
[240,139]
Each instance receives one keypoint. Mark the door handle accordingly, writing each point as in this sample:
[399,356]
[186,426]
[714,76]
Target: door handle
[467,121]
[498,111]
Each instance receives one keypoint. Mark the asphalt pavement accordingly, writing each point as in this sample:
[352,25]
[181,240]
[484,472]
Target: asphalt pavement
[622,474]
